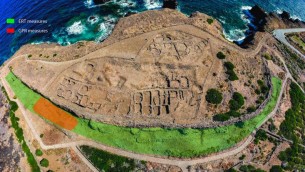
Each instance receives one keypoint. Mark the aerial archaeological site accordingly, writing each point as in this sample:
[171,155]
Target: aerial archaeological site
[164,92]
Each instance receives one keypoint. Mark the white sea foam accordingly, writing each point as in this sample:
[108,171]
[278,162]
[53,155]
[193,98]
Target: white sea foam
[246,7]
[105,29]
[294,17]
[245,18]
[89,3]
[279,11]
[152,4]
[76,28]
[235,35]
[126,3]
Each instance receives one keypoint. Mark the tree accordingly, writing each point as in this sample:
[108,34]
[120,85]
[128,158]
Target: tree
[221,117]
[44,162]
[237,101]
[229,65]
[231,170]
[220,55]
[276,168]
[213,96]
[232,75]
[210,21]
[38,152]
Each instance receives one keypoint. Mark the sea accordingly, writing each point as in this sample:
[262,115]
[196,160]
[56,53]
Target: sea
[69,21]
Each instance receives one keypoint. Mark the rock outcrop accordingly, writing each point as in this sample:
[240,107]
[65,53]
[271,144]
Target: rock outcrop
[172,4]
[100,1]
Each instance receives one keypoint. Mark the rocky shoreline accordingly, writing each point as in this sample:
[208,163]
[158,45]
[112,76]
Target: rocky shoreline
[261,21]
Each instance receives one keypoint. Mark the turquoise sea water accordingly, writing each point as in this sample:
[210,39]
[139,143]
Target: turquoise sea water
[70,21]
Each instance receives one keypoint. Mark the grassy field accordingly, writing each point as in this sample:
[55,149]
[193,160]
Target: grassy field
[160,141]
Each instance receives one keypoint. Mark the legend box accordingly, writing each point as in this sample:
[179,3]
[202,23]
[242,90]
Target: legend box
[10,21]
[10,30]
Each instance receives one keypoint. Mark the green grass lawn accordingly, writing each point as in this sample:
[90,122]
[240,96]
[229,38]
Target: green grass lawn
[160,141]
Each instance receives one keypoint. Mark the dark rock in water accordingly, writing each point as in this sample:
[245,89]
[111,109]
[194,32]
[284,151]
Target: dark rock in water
[172,4]
[92,18]
[129,13]
[285,15]
[100,1]
[259,19]
[258,12]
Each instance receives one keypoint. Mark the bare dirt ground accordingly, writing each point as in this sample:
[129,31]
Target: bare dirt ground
[160,79]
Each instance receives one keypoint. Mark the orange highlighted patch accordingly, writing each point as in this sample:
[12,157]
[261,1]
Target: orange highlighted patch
[54,114]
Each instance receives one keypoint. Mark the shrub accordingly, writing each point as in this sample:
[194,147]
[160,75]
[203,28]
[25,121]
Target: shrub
[257,91]
[264,89]
[242,157]
[261,135]
[249,168]
[237,102]
[210,21]
[234,114]
[260,82]
[232,75]
[251,109]
[105,161]
[44,162]
[230,71]
[213,96]
[229,65]
[38,152]
[221,117]
[29,56]
[276,168]
[267,56]
[231,170]
[220,55]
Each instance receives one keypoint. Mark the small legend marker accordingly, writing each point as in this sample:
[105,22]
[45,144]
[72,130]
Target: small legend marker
[10,21]
[10,30]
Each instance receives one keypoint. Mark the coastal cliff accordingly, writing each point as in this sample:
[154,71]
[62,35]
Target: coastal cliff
[261,21]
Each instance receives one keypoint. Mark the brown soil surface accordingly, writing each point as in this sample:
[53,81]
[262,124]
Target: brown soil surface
[154,70]
[54,114]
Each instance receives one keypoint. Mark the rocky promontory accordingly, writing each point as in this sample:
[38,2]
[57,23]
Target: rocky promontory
[261,21]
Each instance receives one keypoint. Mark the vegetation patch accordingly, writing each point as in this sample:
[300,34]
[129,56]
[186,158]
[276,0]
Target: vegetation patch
[292,128]
[221,55]
[105,161]
[186,142]
[38,152]
[210,21]
[230,71]
[249,168]
[213,96]
[44,162]
[237,101]
[19,134]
